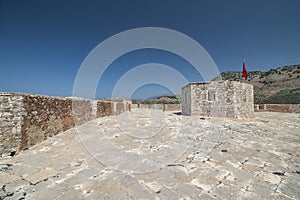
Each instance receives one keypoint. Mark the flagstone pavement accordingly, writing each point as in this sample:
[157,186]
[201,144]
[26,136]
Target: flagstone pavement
[150,154]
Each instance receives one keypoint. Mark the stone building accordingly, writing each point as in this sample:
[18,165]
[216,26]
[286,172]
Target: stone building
[218,99]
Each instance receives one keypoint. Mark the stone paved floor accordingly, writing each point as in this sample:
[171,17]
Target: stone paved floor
[148,154]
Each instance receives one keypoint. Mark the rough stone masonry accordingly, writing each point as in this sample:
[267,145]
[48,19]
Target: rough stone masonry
[26,119]
[218,99]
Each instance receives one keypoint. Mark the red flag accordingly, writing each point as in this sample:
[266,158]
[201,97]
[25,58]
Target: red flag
[245,74]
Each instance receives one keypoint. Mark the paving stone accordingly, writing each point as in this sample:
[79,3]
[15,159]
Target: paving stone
[207,197]
[128,180]
[154,186]
[250,195]
[253,168]
[108,184]
[263,188]
[169,181]
[279,196]
[290,188]
[41,191]
[7,177]
[40,175]
[118,193]
[138,191]
[204,183]
[168,193]
[271,178]
[188,191]
[179,172]
[225,191]
[243,175]
[240,164]
[93,195]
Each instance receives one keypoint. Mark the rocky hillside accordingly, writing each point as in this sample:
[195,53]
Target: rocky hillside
[280,85]
[158,100]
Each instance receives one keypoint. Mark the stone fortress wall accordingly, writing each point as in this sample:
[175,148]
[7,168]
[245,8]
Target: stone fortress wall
[218,99]
[285,108]
[26,119]
[154,106]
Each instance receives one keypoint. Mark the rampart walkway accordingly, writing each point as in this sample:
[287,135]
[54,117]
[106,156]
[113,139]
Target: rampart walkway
[150,154]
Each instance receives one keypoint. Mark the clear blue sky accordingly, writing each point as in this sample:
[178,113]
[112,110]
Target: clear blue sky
[43,43]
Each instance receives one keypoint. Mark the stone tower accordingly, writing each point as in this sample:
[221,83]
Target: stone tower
[218,99]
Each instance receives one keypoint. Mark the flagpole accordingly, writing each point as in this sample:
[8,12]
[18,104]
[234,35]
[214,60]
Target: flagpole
[243,67]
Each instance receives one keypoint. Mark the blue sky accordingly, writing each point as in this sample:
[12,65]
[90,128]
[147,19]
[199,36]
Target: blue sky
[43,43]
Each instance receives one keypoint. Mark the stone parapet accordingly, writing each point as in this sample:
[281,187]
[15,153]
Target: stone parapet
[27,119]
[163,107]
[286,108]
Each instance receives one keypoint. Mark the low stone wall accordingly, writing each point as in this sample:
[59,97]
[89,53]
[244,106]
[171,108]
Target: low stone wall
[134,106]
[26,120]
[287,108]
[163,107]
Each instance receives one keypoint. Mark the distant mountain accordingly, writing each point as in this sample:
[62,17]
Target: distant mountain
[278,86]
[161,96]
[159,100]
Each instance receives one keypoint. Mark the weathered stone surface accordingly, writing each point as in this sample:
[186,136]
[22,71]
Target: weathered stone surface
[26,119]
[7,177]
[255,149]
[104,109]
[163,107]
[286,108]
[218,99]
[41,175]
[11,116]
